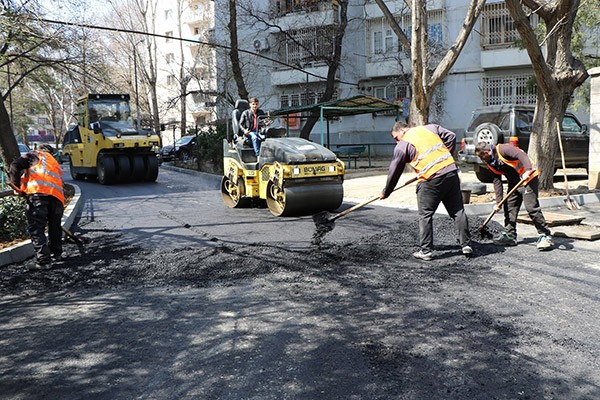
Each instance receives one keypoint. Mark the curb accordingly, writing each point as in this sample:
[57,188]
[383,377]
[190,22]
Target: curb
[24,250]
[213,177]
[545,202]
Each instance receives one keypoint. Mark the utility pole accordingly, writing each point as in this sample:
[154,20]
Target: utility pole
[137,97]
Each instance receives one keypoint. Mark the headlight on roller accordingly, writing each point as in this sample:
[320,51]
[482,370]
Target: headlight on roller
[296,171]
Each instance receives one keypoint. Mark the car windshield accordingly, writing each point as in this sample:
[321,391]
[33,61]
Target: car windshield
[183,140]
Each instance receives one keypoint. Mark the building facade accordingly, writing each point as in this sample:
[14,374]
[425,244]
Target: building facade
[285,45]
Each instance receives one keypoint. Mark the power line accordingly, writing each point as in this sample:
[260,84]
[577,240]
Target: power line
[215,45]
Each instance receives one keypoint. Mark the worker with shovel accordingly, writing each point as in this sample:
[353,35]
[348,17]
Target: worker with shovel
[512,162]
[38,176]
[428,149]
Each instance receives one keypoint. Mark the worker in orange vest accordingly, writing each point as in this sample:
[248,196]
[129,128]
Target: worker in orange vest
[38,176]
[428,150]
[513,163]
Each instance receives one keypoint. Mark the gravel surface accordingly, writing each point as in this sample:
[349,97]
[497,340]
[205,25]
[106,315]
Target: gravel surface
[341,319]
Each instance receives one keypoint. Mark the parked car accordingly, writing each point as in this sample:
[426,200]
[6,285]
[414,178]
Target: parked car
[511,123]
[184,149]
[23,149]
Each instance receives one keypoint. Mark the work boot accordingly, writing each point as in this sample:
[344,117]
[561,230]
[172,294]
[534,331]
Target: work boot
[505,239]
[467,251]
[544,242]
[41,266]
[425,255]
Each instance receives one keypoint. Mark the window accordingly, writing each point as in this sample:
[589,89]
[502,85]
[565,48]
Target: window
[498,27]
[301,99]
[168,14]
[170,57]
[43,121]
[515,89]
[569,124]
[171,80]
[391,92]
[168,35]
[307,45]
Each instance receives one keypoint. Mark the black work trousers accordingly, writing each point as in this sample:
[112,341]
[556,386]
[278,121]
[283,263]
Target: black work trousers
[443,189]
[529,196]
[45,210]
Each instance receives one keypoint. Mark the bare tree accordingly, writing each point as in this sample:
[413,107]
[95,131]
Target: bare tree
[234,54]
[27,46]
[557,72]
[425,76]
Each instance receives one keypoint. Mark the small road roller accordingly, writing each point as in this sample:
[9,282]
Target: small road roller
[293,176]
[105,144]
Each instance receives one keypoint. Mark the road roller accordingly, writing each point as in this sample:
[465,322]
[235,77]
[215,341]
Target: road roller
[106,145]
[291,175]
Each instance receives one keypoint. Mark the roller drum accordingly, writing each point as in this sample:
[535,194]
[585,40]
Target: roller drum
[304,199]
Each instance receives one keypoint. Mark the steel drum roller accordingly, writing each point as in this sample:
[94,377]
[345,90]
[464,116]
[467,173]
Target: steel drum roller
[305,199]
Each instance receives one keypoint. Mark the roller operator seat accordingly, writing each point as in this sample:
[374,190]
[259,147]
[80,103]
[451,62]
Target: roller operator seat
[238,135]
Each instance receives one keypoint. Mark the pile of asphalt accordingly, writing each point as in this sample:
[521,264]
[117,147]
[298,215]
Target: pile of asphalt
[108,261]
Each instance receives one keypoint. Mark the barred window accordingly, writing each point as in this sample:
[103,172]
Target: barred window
[307,45]
[497,26]
[302,98]
[515,89]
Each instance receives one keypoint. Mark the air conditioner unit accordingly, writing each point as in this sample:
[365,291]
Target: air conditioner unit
[261,45]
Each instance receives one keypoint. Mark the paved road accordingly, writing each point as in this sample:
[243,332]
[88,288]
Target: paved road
[255,312]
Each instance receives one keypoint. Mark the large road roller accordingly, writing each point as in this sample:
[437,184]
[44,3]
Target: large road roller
[105,144]
[293,176]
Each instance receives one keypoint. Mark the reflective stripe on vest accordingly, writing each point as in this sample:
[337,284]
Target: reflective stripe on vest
[516,164]
[44,178]
[432,154]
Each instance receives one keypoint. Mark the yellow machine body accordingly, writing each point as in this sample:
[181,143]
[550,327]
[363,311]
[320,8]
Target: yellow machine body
[105,144]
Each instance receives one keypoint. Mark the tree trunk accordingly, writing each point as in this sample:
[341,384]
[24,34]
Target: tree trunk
[9,150]
[234,55]
[333,64]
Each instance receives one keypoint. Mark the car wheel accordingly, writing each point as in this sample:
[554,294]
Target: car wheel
[488,133]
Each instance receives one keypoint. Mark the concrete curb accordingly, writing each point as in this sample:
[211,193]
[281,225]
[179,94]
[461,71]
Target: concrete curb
[212,177]
[24,250]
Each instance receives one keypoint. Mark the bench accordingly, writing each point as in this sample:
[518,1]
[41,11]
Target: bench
[350,152]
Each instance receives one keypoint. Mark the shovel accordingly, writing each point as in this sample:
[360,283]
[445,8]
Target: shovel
[569,202]
[482,229]
[322,219]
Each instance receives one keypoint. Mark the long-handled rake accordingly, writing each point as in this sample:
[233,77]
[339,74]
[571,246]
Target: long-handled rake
[569,202]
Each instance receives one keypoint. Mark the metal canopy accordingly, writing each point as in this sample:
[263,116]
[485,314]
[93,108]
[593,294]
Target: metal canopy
[336,108]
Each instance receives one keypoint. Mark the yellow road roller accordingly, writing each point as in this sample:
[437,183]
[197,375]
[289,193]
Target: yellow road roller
[293,176]
[105,144]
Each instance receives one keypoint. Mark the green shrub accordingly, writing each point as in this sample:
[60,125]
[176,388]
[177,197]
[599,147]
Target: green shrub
[13,221]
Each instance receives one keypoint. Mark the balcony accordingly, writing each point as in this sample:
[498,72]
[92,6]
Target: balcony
[378,66]
[295,77]
[495,58]
[303,19]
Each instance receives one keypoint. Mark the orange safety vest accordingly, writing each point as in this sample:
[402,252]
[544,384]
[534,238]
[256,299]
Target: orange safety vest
[516,164]
[45,177]
[432,154]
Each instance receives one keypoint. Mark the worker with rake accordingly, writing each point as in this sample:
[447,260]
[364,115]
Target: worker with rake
[428,150]
[37,176]
[512,162]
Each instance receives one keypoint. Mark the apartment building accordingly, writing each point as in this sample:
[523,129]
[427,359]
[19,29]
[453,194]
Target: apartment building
[186,69]
[285,44]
